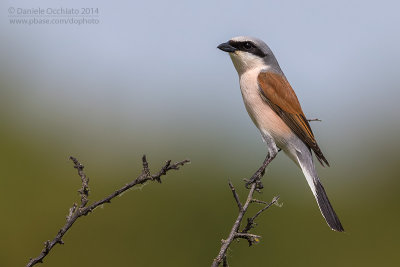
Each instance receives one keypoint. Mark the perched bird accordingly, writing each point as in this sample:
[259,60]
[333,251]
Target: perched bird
[275,110]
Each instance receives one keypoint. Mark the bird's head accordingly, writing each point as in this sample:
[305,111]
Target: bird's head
[248,53]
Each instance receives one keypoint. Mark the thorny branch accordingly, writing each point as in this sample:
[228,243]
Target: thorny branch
[253,184]
[76,212]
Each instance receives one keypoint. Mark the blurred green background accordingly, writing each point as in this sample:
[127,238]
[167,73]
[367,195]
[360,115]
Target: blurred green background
[148,79]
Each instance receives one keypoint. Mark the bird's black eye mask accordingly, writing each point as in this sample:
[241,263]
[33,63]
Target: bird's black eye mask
[247,46]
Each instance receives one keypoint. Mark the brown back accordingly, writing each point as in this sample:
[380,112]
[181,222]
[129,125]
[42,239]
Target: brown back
[280,96]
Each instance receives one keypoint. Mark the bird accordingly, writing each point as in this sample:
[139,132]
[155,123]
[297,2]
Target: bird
[275,110]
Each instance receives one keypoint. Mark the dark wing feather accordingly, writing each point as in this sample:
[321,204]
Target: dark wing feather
[280,96]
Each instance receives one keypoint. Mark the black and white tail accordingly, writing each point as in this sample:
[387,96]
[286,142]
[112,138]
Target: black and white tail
[326,207]
[307,166]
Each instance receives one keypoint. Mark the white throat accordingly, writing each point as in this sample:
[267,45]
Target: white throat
[244,62]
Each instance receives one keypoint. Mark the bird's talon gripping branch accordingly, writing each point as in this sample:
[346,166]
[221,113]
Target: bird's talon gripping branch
[256,179]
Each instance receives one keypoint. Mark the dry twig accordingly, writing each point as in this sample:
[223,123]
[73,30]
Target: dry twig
[76,212]
[254,184]
[313,120]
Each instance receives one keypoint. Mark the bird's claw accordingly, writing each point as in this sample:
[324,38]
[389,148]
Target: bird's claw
[255,179]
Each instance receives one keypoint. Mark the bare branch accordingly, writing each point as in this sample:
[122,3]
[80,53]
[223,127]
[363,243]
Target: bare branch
[236,196]
[274,201]
[252,239]
[84,191]
[250,221]
[75,212]
[225,262]
[259,201]
[253,184]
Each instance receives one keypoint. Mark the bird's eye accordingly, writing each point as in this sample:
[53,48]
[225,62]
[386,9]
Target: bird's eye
[247,45]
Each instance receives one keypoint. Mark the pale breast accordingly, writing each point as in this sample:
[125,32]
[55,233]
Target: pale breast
[266,120]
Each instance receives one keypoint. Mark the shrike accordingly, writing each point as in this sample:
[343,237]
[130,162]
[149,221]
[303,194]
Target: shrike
[275,110]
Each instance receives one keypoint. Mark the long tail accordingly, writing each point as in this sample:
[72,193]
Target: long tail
[307,165]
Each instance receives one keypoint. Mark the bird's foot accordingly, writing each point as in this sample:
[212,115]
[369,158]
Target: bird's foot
[256,179]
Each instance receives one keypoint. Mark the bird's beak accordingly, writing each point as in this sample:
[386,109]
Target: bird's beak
[226,47]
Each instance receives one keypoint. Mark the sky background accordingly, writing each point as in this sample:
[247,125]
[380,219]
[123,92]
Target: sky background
[148,79]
